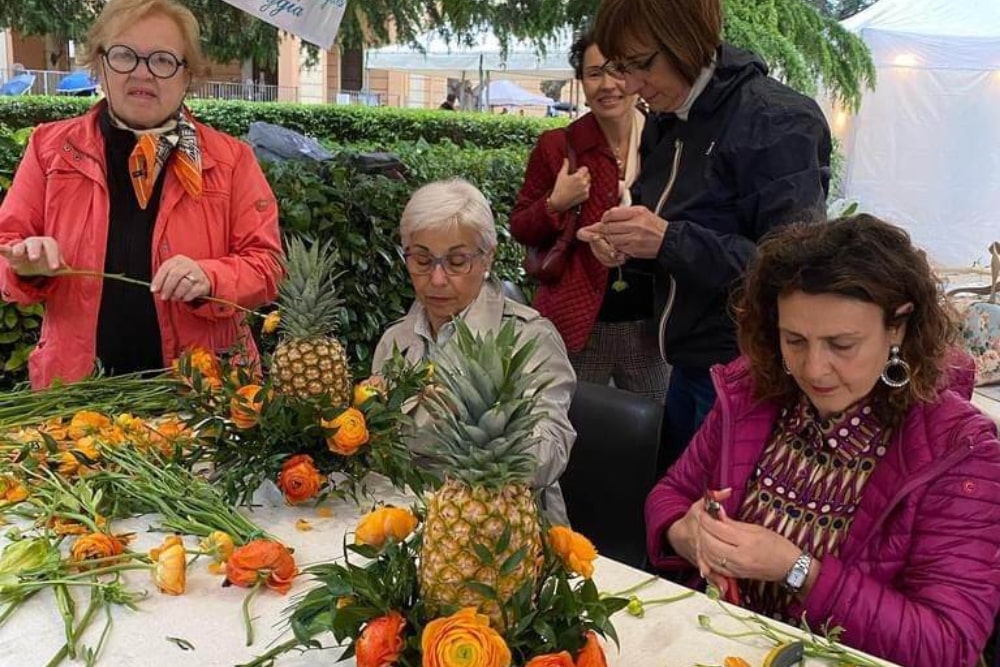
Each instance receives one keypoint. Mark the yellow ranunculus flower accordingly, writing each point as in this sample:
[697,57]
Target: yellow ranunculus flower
[271,322]
[170,565]
[464,639]
[362,392]
[12,490]
[575,551]
[384,523]
[219,545]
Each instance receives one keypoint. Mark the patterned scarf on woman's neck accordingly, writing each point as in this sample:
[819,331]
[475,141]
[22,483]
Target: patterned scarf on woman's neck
[153,147]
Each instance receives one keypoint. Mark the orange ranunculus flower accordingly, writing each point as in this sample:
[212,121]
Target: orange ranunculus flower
[299,479]
[94,546]
[381,641]
[384,523]
[464,639]
[734,661]
[170,565]
[262,560]
[591,655]
[244,408]
[351,432]
[207,364]
[561,659]
[576,551]
[87,422]
[12,490]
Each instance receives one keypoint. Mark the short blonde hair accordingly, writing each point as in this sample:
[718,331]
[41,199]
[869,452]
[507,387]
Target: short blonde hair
[450,204]
[119,13]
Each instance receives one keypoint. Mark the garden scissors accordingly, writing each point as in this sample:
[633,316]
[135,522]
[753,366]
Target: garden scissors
[714,508]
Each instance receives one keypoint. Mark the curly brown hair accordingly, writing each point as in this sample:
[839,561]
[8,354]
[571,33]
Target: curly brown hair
[858,257]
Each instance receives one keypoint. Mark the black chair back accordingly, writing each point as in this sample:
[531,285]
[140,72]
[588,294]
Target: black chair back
[612,468]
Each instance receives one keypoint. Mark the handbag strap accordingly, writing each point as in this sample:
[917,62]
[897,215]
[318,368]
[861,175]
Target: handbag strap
[569,229]
[994,286]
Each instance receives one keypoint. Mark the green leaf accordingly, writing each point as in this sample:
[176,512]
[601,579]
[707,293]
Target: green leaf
[513,561]
[485,555]
[487,592]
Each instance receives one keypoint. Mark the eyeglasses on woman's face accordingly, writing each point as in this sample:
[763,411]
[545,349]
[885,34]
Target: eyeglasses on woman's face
[597,73]
[421,263]
[623,68]
[124,60]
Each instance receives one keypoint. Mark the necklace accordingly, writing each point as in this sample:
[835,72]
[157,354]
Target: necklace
[619,161]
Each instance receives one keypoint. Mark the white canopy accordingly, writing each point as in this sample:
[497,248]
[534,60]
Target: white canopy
[504,93]
[924,151]
[441,58]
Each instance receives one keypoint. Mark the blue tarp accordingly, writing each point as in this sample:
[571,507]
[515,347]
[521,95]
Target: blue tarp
[18,85]
[77,83]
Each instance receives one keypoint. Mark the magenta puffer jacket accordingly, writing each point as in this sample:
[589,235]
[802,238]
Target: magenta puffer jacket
[917,580]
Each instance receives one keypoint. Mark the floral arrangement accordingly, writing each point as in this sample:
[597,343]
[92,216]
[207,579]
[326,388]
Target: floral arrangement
[66,481]
[376,607]
[251,431]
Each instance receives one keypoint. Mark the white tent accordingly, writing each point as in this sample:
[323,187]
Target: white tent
[924,151]
[504,93]
[440,57]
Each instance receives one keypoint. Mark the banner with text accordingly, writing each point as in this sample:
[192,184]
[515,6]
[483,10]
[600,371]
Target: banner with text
[315,21]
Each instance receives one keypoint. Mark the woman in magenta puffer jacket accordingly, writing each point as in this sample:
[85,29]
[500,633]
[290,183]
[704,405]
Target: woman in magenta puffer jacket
[852,483]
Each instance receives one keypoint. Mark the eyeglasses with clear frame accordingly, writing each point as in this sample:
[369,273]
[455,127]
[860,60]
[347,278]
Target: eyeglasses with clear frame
[597,73]
[421,263]
[624,68]
[123,59]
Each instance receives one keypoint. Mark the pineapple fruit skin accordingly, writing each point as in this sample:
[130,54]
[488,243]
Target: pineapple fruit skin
[459,517]
[310,367]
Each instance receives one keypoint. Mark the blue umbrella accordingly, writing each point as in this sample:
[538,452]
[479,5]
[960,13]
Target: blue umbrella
[18,85]
[77,83]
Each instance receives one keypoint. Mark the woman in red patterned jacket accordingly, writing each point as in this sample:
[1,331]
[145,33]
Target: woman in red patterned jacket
[604,317]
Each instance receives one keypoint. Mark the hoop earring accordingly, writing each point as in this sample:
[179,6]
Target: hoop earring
[896,373]
[784,367]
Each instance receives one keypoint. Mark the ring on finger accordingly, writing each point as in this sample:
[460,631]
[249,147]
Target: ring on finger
[723,562]
[188,277]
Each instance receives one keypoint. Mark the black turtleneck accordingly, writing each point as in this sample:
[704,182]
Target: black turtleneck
[128,333]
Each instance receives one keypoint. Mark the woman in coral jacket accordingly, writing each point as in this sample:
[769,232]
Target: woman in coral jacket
[852,483]
[137,187]
[609,331]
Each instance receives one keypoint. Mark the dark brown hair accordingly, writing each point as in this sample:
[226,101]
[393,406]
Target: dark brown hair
[858,257]
[688,32]
[578,50]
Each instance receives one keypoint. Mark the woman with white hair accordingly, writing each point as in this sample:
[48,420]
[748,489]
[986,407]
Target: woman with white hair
[449,239]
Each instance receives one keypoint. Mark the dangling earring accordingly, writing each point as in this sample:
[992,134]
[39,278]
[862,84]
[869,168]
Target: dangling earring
[784,367]
[896,373]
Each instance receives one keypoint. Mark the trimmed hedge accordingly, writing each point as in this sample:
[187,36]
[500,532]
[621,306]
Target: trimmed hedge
[339,123]
[333,200]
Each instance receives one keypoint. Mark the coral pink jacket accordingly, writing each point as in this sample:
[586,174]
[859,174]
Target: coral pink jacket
[231,230]
[917,579]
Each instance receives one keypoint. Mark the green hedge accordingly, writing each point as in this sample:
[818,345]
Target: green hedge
[339,123]
[361,212]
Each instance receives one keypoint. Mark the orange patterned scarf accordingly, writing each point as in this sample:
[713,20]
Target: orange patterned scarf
[153,148]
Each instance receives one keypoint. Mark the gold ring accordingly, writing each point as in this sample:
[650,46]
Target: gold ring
[723,563]
[188,277]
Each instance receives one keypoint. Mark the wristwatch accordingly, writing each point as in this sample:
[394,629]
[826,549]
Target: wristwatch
[795,579]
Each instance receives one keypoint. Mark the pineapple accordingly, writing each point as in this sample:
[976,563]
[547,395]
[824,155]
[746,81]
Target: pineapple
[482,526]
[308,362]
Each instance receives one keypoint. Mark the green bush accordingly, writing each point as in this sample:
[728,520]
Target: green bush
[339,123]
[333,200]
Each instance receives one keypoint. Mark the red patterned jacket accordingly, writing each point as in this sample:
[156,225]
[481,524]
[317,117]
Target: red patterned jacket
[571,304]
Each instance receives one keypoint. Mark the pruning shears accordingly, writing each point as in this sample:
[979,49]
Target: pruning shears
[714,509]
[785,655]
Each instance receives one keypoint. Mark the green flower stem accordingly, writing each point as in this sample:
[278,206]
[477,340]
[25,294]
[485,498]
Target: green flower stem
[247,620]
[132,281]
[69,648]
[633,589]
[267,659]
[67,609]
[668,600]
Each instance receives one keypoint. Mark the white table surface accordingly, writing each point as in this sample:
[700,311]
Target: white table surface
[209,616]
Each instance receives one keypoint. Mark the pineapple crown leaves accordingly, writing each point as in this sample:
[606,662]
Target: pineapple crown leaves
[307,297]
[484,412]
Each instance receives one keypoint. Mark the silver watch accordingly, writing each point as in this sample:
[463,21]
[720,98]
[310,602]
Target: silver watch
[795,579]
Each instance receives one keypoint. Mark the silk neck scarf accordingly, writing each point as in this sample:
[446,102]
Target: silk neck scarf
[153,148]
